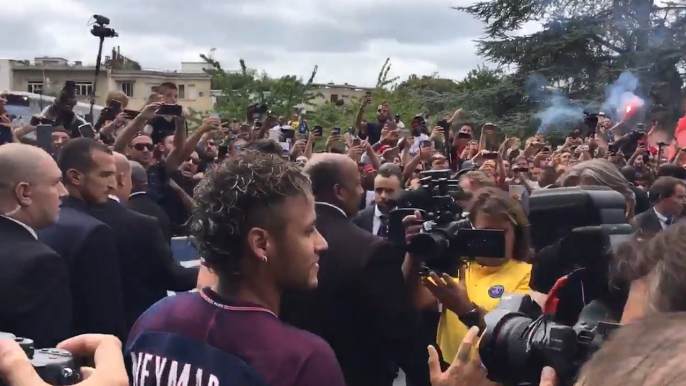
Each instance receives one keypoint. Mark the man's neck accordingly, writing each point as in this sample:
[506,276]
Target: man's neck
[267,296]
[20,216]
[73,192]
[662,210]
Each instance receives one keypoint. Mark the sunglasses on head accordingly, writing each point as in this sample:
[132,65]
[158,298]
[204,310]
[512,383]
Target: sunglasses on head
[143,146]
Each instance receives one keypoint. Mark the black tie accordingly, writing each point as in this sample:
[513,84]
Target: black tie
[669,221]
[383,231]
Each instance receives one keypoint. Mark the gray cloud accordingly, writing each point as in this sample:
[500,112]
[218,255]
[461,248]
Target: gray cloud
[348,40]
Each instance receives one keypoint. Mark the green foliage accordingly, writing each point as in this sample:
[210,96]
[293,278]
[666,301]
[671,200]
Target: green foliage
[242,88]
[585,45]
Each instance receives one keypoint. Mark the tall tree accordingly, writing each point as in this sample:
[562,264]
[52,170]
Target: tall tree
[585,45]
[239,89]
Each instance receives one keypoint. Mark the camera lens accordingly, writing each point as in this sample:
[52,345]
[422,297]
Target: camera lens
[514,348]
[428,245]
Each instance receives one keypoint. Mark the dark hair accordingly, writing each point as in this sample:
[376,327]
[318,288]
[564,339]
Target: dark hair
[388,170]
[671,170]
[663,188]
[237,195]
[166,86]
[266,146]
[548,176]
[324,176]
[497,203]
[647,352]
[629,172]
[77,154]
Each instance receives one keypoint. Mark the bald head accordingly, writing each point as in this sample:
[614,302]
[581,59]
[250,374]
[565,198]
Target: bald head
[20,163]
[121,163]
[327,170]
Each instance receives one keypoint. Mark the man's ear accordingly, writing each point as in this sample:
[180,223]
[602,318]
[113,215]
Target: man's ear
[74,177]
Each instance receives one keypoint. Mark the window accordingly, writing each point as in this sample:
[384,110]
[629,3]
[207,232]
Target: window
[84,88]
[127,88]
[200,94]
[334,98]
[182,91]
[35,87]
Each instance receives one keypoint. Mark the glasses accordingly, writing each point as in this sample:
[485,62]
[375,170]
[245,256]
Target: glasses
[194,161]
[144,146]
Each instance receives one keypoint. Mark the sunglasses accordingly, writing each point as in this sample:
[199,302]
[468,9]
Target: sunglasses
[144,146]
[194,161]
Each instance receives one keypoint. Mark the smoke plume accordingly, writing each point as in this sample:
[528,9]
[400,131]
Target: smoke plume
[558,111]
[621,94]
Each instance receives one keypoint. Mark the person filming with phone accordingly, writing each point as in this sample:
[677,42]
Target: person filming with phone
[464,299]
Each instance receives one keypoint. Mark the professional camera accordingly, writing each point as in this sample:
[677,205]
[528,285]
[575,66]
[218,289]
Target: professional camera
[515,347]
[99,29]
[53,365]
[576,232]
[445,236]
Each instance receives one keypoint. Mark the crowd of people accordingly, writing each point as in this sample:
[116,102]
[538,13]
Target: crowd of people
[300,282]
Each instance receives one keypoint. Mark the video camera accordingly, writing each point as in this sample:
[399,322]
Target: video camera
[446,237]
[55,366]
[578,231]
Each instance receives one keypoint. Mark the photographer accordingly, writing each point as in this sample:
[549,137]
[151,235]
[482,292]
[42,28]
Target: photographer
[113,118]
[61,111]
[465,300]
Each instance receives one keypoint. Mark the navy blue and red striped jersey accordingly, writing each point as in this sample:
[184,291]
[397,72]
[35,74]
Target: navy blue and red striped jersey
[201,339]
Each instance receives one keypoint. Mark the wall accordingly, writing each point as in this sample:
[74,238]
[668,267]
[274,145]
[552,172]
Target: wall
[57,77]
[6,80]
[193,87]
[343,93]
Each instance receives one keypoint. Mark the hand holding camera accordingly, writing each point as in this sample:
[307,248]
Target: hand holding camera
[150,111]
[16,368]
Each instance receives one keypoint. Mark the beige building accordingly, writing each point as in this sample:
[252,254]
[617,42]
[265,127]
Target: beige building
[194,88]
[48,76]
[336,92]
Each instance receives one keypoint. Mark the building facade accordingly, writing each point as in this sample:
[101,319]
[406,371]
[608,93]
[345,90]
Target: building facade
[337,93]
[48,76]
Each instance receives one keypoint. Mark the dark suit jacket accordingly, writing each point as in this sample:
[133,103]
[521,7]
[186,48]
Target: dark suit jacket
[147,266]
[647,222]
[88,246]
[642,202]
[361,306]
[142,203]
[365,218]
[35,294]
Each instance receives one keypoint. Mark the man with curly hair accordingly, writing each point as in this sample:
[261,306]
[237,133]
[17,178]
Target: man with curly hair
[254,223]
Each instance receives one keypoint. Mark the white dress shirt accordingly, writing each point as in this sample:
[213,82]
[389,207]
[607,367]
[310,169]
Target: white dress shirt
[333,206]
[28,228]
[376,222]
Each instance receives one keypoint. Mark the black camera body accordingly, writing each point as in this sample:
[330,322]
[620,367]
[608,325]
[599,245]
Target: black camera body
[53,365]
[447,237]
[576,231]
[516,345]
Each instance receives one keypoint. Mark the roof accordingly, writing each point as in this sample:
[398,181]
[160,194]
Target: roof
[160,74]
[346,86]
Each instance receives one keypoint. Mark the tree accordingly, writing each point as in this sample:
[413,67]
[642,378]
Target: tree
[584,46]
[240,89]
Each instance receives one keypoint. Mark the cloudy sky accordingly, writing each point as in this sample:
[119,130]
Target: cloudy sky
[349,40]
